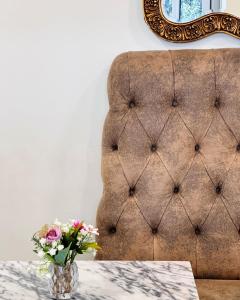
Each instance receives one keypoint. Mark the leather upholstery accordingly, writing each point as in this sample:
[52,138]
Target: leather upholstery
[171,160]
[218,289]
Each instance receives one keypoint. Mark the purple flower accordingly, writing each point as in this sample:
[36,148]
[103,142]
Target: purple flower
[53,234]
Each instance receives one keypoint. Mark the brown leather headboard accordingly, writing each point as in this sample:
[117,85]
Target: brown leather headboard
[171,160]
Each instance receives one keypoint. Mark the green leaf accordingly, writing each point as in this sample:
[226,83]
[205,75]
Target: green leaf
[62,255]
[48,257]
[87,245]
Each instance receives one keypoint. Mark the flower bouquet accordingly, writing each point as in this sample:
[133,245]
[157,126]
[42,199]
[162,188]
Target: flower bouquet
[58,245]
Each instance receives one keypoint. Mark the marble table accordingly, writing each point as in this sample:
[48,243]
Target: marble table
[106,280]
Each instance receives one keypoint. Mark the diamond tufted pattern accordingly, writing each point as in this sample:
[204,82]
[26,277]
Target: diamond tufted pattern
[171,160]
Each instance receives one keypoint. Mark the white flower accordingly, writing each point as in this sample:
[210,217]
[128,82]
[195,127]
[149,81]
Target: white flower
[54,244]
[91,251]
[65,227]
[93,230]
[52,251]
[79,238]
[42,241]
[57,222]
[41,253]
[60,247]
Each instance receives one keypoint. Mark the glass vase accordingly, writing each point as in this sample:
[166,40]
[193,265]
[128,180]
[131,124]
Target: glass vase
[63,281]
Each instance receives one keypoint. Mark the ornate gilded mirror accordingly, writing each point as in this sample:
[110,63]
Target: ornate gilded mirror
[189,20]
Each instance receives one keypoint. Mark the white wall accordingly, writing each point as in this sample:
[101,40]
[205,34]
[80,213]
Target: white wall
[54,60]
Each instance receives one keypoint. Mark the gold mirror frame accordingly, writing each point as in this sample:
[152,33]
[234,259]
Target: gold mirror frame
[190,31]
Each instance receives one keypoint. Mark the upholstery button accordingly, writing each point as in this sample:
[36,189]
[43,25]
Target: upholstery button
[217,102]
[219,189]
[197,147]
[154,148]
[132,191]
[131,104]
[176,189]
[114,147]
[112,230]
[238,147]
[174,102]
[197,230]
[154,230]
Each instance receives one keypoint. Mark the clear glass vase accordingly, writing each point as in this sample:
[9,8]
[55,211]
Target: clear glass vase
[63,281]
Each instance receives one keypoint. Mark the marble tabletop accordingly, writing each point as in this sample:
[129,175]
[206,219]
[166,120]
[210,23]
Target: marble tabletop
[106,280]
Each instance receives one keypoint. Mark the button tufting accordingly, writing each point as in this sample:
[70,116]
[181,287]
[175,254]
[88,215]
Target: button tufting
[176,189]
[238,147]
[132,191]
[131,104]
[197,230]
[174,102]
[154,230]
[217,102]
[112,230]
[197,147]
[114,147]
[154,148]
[219,188]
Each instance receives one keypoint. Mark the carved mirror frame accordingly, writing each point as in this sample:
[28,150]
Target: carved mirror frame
[190,31]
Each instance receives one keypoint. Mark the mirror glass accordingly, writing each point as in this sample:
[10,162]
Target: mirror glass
[180,11]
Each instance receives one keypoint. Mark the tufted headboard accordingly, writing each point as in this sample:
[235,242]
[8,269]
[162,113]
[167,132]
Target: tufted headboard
[171,160]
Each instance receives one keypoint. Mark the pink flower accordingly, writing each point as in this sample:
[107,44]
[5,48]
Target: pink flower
[77,224]
[54,234]
[93,230]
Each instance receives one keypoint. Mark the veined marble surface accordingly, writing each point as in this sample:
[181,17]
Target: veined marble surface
[106,280]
